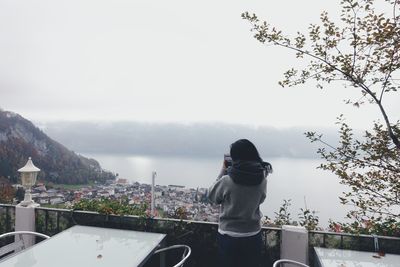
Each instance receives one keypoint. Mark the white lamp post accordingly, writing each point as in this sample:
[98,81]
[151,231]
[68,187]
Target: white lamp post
[28,177]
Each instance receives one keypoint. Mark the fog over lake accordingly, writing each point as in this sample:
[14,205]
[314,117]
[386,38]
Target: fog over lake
[191,155]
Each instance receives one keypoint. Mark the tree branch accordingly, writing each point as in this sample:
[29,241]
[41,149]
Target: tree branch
[355,40]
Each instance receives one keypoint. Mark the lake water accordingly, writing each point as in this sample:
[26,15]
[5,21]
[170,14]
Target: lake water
[295,179]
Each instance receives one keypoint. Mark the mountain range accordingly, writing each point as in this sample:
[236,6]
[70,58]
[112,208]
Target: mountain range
[177,139]
[20,139]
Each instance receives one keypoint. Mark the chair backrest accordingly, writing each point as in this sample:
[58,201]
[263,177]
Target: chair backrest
[19,243]
[278,262]
[185,255]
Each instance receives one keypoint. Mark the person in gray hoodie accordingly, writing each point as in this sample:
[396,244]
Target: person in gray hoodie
[239,190]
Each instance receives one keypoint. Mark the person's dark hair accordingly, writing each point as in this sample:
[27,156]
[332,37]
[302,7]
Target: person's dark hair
[243,149]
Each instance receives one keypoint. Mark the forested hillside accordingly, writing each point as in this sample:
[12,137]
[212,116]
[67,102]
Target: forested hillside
[20,139]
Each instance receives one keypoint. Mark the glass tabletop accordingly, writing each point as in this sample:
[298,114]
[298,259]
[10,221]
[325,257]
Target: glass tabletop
[89,246]
[327,257]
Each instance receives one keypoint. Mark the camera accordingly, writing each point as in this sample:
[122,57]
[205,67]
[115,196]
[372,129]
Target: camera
[227,160]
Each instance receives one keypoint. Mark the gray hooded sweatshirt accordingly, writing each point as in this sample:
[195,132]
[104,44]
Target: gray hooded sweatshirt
[239,210]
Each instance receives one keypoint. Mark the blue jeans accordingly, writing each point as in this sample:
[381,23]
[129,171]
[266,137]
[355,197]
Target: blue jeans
[239,251]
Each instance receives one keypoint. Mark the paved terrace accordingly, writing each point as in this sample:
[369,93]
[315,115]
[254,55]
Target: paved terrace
[200,236]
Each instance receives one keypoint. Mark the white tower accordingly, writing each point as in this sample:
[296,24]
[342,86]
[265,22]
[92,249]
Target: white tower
[153,179]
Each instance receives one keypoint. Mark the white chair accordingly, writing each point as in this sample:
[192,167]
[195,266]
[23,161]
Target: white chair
[186,253]
[18,244]
[278,262]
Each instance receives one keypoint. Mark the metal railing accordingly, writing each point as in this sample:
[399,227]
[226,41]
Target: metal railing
[7,218]
[200,236]
[7,222]
[360,242]
[354,242]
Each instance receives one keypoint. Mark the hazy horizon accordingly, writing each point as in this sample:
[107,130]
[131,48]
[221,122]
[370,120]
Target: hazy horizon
[177,139]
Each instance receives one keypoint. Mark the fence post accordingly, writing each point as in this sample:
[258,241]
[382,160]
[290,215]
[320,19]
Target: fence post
[294,244]
[25,221]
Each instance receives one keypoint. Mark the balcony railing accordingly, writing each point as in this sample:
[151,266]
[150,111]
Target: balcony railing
[352,242]
[7,218]
[7,222]
[201,236]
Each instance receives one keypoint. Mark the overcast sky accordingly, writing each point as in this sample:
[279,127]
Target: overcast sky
[161,61]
